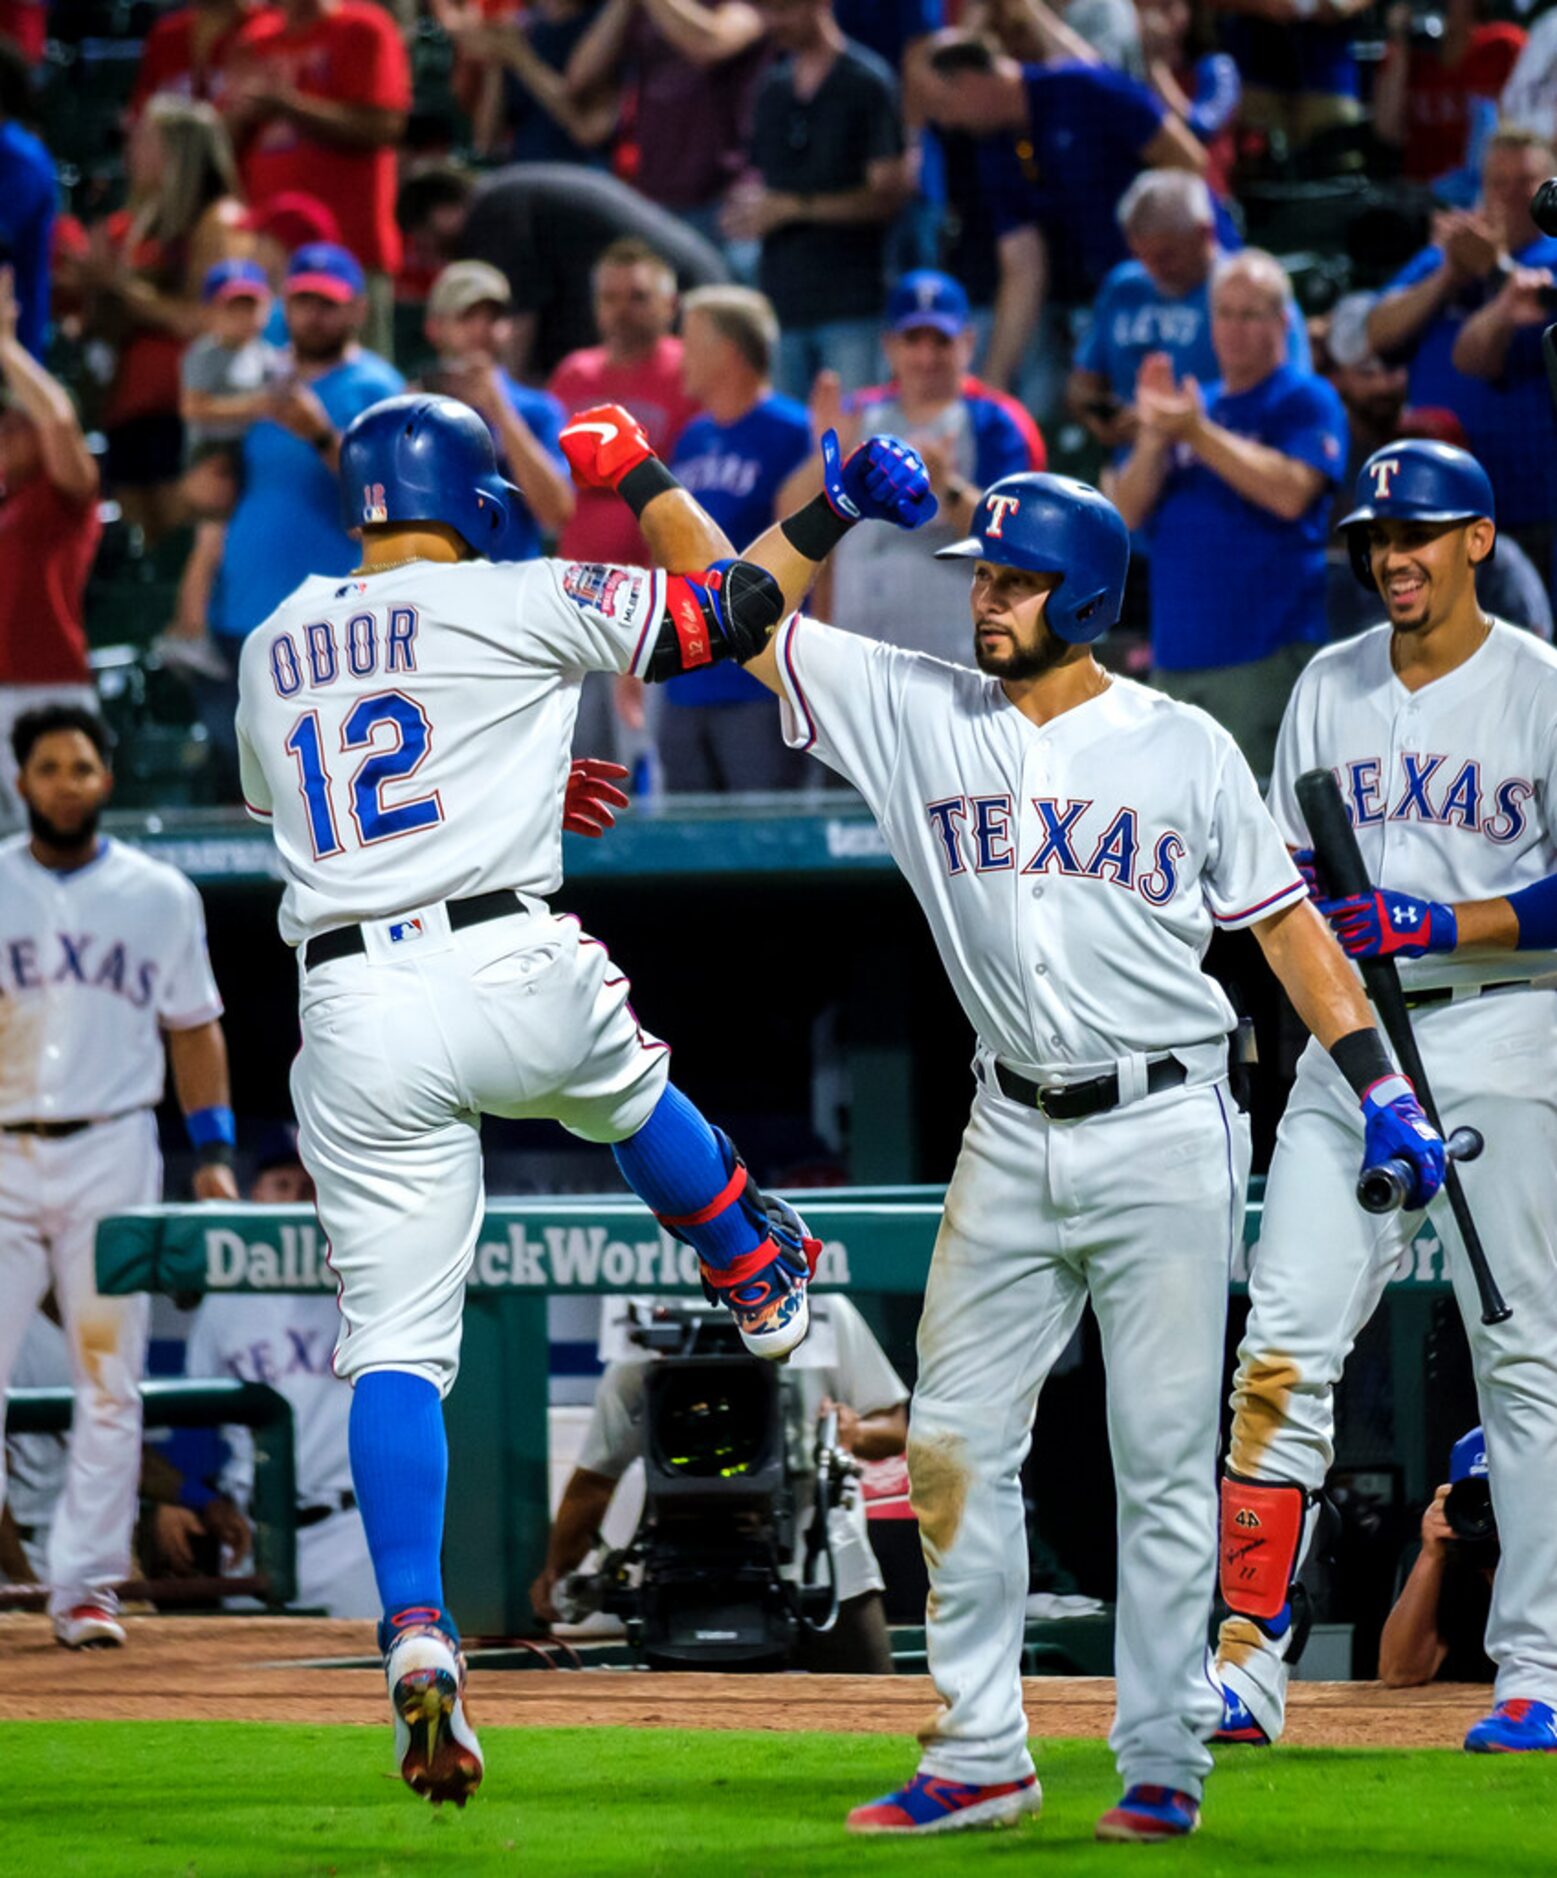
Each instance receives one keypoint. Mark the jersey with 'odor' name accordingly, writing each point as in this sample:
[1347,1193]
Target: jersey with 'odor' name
[406,733]
[1452,789]
[95,965]
[1072,872]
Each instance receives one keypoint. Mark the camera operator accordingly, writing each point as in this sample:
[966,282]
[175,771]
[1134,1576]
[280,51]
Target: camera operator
[871,1401]
[1435,1631]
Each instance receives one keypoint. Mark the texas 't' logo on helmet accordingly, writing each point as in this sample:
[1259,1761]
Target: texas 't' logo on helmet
[1383,472]
[999,508]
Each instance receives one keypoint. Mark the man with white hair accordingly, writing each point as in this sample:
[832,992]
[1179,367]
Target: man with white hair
[1157,301]
[1235,478]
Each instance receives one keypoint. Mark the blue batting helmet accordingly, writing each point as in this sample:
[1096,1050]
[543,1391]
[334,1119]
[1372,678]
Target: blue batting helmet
[1055,525]
[1415,481]
[425,459]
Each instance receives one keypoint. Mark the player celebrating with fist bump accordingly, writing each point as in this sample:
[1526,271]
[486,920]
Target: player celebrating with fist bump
[1073,839]
[406,732]
[1441,727]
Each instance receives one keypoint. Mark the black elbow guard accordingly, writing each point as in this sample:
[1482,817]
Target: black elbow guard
[729,612]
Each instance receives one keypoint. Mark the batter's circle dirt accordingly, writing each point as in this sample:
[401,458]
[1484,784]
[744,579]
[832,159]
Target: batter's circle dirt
[276,1669]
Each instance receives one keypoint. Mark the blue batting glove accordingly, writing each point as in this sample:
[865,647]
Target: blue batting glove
[884,480]
[1396,1129]
[1303,860]
[1387,925]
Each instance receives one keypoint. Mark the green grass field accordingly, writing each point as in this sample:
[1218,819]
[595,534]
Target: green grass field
[207,1800]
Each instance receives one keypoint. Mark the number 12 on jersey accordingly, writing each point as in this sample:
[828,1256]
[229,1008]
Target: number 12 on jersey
[373,818]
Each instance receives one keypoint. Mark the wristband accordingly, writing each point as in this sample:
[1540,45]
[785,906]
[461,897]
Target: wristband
[1361,1058]
[815,530]
[1536,910]
[643,482]
[212,1127]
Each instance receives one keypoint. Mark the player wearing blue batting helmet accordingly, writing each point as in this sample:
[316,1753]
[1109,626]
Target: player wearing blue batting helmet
[419,458]
[1414,480]
[1055,525]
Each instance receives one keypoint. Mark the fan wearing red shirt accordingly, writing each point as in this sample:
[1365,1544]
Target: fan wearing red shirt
[48,536]
[317,95]
[187,51]
[1422,100]
[637,365]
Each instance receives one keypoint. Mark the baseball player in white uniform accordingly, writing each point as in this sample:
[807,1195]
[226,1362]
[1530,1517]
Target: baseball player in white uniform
[286,1342]
[1441,727]
[103,979]
[406,732]
[1073,839]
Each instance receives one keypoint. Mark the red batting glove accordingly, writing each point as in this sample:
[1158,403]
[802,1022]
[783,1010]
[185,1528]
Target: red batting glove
[602,445]
[591,795]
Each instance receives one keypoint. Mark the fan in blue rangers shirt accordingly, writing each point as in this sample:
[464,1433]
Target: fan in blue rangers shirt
[1235,482]
[717,731]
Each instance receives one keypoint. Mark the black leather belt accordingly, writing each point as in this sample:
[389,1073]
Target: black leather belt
[1442,994]
[61,1131]
[316,1515]
[1073,1101]
[345,940]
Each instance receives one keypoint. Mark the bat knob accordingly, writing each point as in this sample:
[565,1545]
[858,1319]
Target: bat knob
[1465,1144]
[1383,1188]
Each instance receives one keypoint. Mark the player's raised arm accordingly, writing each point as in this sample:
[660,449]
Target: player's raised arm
[607,448]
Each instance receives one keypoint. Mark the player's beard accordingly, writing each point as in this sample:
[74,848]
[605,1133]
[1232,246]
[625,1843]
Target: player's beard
[52,835]
[1030,661]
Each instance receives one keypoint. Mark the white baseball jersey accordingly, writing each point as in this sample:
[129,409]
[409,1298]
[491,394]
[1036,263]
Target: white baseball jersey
[286,1342]
[94,965]
[1451,789]
[1072,872]
[407,732]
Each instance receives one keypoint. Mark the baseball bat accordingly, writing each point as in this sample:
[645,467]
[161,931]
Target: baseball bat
[1383,1188]
[1340,864]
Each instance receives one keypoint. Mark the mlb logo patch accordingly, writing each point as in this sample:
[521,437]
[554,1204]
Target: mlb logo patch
[404,929]
[374,507]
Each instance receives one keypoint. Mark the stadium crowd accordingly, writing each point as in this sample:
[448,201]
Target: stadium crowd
[1210,252]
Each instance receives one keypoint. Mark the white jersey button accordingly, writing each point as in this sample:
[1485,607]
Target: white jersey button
[1037,893]
[1041,969]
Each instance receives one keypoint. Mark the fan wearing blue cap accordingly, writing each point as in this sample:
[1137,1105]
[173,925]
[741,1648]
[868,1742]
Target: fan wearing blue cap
[1434,1631]
[1073,840]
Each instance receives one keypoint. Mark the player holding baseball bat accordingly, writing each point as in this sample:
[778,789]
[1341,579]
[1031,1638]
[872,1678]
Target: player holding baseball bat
[1440,727]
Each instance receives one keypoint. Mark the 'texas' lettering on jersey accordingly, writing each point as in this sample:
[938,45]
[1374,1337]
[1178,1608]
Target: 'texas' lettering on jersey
[67,958]
[1072,837]
[1435,790]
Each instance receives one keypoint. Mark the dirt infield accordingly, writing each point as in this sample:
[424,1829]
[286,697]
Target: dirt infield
[274,1669]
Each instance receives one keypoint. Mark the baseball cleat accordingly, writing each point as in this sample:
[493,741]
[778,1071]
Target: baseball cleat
[930,1804]
[1148,1814]
[1517,1727]
[765,1292]
[89,1627]
[439,1755]
[1238,1726]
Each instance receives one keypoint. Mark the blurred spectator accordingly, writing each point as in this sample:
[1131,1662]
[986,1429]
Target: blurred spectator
[1195,81]
[1061,144]
[1235,481]
[687,68]
[718,730]
[827,146]
[1157,301]
[1529,100]
[1440,81]
[187,51]
[287,1343]
[469,324]
[287,520]
[546,225]
[1372,390]
[290,221]
[143,277]
[28,186]
[317,96]
[24,28]
[1465,315]
[1106,32]
[225,379]
[636,364]
[519,100]
[431,207]
[49,532]
[895,30]
[969,437]
[1299,71]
